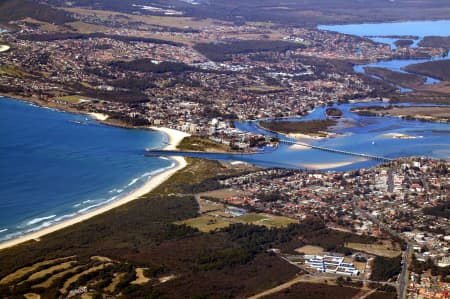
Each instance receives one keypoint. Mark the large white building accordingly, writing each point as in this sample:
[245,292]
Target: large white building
[331,264]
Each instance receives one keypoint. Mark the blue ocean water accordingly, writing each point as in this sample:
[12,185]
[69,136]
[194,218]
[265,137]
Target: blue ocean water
[56,165]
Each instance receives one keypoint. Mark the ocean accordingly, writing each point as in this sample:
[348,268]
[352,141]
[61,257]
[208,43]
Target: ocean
[56,165]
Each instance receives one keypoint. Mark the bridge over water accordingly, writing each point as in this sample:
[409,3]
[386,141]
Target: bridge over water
[333,150]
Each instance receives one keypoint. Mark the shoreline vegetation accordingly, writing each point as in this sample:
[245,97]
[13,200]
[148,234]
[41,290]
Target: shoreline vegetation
[311,129]
[174,138]
[421,113]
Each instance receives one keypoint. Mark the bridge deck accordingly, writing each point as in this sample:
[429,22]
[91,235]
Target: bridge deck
[368,156]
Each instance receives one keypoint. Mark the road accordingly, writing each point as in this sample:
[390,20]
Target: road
[402,281]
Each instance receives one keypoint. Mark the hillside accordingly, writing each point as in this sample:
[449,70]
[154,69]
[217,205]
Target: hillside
[11,10]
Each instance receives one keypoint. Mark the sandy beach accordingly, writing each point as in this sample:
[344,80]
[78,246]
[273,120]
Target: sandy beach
[175,137]
[398,136]
[99,116]
[4,48]
[322,166]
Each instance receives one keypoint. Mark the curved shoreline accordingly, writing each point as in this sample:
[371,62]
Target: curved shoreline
[175,138]
[4,48]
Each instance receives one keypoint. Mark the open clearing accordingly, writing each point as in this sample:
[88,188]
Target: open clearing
[206,223]
[75,278]
[311,250]
[51,270]
[140,277]
[386,249]
[112,287]
[265,219]
[29,270]
[51,280]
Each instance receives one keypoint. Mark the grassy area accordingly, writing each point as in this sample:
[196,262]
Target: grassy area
[72,99]
[265,219]
[385,249]
[263,89]
[13,71]
[206,223]
[25,271]
[309,249]
[87,28]
[177,22]
[194,143]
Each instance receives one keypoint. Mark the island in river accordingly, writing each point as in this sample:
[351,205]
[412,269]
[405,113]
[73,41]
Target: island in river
[313,128]
[426,113]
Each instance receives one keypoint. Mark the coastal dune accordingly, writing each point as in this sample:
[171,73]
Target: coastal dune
[174,137]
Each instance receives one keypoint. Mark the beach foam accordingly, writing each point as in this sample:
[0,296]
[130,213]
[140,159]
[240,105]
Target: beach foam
[37,220]
[154,179]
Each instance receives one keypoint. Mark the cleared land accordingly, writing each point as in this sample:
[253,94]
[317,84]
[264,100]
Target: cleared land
[22,272]
[140,277]
[51,270]
[309,249]
[265,219]
[386,249]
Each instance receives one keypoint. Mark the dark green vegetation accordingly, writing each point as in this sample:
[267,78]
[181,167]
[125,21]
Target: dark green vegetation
[316,291]
[232,262]
[223,51]
[403,43]
[302,127]
[435,42]
[333,112]
[383,295]
[385,268]
[398,78]
[420,267]
[441,210]
[437,69]
[19,9]
[146,65]
[70,35]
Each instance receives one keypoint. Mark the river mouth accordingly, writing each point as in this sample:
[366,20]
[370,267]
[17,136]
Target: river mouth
[386,136]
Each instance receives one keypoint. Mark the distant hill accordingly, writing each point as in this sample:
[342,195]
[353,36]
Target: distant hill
[299,12]
[11,10]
